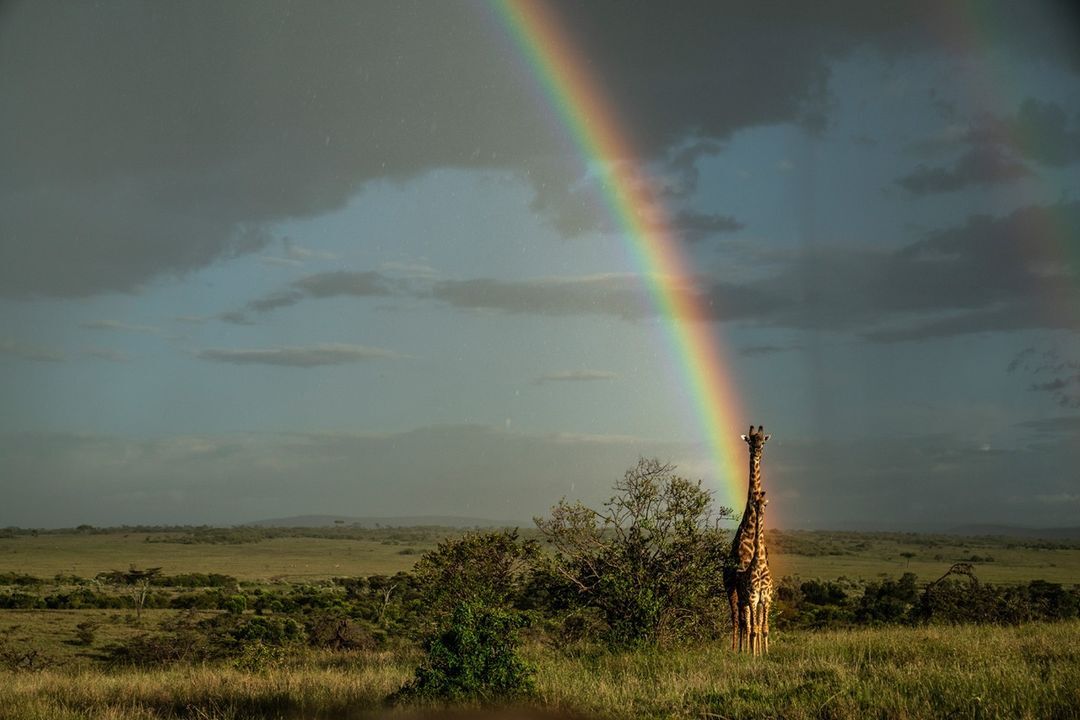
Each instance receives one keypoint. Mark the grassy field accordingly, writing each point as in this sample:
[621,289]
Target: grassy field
[1028,671]
[821,555]
[1031,671]
[275,559]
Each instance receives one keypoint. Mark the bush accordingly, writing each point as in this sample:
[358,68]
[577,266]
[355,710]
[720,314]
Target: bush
[244,639]
[888,601]
[234,604]
[480,567]
[651,561]
[85,632]
[474,657]
[334,631]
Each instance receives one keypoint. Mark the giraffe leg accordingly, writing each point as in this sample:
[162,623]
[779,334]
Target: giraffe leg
[733,602]
[744,628]
[765,607]
[753,629]
[757,628]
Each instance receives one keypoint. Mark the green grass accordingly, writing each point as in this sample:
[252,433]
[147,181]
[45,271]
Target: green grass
[52,632]
[1031,671]
[289,559]
[821,555]
[866,556]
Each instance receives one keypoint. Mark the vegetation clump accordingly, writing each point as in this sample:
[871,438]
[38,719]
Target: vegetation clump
[489,568]
[650,562]
[473,657]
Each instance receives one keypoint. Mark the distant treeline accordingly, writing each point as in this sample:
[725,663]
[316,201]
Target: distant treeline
[811,543]
[205,534]
[396,602]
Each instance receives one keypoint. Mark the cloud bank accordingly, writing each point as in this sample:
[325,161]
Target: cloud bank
[139,144]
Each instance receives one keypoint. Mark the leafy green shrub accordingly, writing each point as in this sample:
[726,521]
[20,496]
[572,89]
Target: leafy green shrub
[188,640]
[482,567]
[651,561]
[234,604]
[20,601]
[266,630]
[888,601]
[259,657]
[20,579]
[474,657]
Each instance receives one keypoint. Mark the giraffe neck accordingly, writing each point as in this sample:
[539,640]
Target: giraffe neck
[754,486]
[759,534]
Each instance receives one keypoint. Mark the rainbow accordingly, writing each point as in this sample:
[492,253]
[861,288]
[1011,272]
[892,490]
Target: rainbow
[591,121]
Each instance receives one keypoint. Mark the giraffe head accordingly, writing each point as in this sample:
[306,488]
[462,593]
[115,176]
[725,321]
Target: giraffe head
[756,438]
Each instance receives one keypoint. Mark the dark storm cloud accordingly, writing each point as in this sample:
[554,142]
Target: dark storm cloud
[300,357]
[1044,132]
[622,296]
[1052,371]
[320,285]
[682,163]
[1040,131]
[141,141]
[1013,316]
[979,166]
[940,480]
[988,274]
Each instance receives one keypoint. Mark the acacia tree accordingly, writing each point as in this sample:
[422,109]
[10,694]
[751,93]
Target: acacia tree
[135,582]
[478,567]
[650,561]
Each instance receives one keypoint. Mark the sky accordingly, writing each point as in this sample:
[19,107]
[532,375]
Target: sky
[261,259]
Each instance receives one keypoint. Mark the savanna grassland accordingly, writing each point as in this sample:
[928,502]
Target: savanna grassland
[328,623]
[307,554]
[966,672]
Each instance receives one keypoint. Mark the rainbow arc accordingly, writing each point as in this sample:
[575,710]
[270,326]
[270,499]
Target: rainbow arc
[592,123]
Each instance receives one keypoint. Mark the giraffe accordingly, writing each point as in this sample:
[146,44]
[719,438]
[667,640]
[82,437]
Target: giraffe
[755,586]
[742,545]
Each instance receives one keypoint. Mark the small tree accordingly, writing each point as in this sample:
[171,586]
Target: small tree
[479,567]
[473,657]
[651,561]
[135,582]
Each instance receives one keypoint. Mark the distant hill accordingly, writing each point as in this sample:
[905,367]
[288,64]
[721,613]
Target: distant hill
[309,521]
[1058,533]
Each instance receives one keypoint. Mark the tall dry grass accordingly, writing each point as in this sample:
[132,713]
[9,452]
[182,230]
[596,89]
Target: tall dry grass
[1030,671]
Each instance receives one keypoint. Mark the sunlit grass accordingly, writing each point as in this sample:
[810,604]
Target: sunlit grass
[1031,671]
[865,557]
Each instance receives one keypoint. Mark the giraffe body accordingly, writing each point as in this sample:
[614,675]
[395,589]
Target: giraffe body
[755,587]
[747,544]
